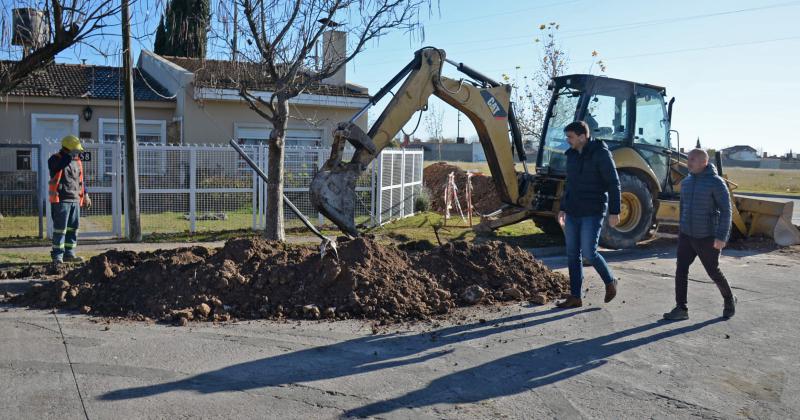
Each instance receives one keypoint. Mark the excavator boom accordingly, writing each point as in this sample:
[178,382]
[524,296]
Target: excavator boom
[485,102]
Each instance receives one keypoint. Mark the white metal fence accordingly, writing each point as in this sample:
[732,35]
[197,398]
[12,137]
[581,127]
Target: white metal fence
[196,188]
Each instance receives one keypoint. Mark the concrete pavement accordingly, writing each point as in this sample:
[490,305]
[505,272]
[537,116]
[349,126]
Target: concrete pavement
[600,361]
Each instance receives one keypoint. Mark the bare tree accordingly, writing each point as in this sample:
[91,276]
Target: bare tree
[279,40]
[64,24]
[434,123]
[531,96]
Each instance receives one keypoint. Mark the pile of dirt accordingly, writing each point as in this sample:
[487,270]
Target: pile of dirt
[484,193]
[34,271]
[251,278]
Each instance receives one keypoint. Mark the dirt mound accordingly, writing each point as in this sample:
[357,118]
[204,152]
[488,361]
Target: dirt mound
[484,193]
[33,271]
[252,278]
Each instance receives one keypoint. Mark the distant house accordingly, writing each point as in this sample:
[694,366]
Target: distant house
[742,153]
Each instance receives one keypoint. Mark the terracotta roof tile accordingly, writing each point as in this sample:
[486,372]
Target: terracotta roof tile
[79,81]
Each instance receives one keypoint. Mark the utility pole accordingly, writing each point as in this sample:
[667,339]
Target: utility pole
[458,125]
[235,44]
[133,225]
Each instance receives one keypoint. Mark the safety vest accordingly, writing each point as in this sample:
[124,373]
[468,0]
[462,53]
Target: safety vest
[52,185]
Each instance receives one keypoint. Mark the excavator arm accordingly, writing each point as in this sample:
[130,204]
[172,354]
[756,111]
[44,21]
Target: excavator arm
[485,102]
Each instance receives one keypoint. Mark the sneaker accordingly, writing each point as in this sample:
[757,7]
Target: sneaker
[73,259]
[677,314]
[611,291]
[730,307]
[570,302]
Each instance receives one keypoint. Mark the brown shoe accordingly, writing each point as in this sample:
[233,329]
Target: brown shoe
[570,302]
[611,291]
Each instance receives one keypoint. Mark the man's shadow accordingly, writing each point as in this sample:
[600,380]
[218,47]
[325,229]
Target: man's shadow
[524,371]
[360,355]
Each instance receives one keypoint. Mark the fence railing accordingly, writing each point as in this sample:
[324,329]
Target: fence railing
[195,188]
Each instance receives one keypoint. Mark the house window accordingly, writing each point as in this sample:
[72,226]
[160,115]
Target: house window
[148,132]
[23,160]
[259,134]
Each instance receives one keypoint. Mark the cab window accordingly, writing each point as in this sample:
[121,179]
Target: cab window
[607,117]
[651,118]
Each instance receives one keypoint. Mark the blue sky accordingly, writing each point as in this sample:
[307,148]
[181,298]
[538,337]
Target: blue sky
[734,66]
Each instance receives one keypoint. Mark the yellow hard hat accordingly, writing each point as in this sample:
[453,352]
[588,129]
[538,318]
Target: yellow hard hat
[71,143]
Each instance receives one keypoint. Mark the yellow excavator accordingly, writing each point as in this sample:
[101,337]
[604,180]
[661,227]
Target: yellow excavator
[632,118]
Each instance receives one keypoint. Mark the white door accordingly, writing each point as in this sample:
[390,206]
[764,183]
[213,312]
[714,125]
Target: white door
[51,128]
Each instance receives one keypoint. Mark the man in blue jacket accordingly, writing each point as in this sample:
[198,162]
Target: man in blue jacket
[592,188]
[705,224]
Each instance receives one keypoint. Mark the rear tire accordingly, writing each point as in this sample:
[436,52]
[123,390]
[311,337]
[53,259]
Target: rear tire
[636,215]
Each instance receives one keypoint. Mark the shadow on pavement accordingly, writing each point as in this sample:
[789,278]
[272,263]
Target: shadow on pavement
[341,359]
[524,371]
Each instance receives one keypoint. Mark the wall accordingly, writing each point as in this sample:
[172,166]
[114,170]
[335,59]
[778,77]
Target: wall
[212,121]
[471,152]
[15,114]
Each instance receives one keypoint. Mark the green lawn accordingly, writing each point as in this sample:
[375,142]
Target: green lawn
[421,227]
[770,181]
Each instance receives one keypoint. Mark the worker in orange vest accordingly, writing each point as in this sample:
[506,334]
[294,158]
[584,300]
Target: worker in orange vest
[67,194]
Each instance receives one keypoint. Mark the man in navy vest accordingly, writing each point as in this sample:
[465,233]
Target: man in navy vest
[705,225]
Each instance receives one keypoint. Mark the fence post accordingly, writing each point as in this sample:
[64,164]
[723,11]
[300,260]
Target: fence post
[402,183]
[116,187]
[44,155]
[320,162]
[372,192]
[377,190]
[254,210]
[192,189]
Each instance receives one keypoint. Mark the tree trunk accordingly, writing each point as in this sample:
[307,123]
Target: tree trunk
[274,221]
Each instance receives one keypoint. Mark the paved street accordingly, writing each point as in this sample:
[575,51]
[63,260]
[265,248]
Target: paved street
[600,361]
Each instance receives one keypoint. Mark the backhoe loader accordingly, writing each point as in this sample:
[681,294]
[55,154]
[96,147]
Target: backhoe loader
[632,118]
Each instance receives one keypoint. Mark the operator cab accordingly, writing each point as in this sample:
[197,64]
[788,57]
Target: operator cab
[619,112]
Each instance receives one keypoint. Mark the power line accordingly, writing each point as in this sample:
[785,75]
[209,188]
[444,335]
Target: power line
[665,52]
[604,29]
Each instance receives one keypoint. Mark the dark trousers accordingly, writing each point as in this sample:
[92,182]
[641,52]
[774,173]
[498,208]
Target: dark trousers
[688,249]
[66,218]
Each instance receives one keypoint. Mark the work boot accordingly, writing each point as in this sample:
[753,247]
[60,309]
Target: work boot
[611,291]
[677,314]
[730,307]
[73,259]
[570,302]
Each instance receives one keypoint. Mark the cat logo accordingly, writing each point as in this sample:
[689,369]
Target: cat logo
[497,110]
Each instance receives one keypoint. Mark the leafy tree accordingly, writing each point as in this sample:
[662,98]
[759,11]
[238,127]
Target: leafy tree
[183,29]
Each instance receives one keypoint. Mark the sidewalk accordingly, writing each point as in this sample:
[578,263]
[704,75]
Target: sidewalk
[601,361]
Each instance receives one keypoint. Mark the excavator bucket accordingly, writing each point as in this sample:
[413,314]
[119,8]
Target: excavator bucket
[333,189]
[770,218]
[333,193]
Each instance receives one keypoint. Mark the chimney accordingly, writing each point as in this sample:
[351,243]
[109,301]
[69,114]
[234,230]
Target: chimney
[334,50]
[765,155]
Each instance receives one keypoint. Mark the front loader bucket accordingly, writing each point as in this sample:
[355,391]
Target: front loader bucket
[333,193]
[769,218]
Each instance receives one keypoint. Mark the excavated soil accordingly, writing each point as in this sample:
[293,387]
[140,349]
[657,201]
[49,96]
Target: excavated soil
[251,278]
[484,196]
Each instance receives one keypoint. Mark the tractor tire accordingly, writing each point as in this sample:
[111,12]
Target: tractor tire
[548,225]
[636,216]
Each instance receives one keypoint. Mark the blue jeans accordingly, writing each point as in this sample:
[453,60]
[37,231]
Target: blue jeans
[66,216]
[581,235]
